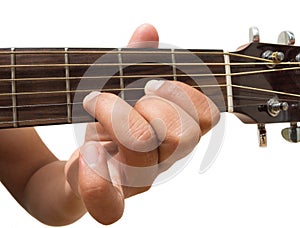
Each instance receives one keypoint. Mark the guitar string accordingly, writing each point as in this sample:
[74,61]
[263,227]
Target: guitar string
[143,64]
[263,102]
[140,88]
[108,77]
[150,76]
[141,52]
[137,88]
[252,98]
[110,51]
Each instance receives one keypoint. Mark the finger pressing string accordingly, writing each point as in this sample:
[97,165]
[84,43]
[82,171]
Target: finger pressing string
[131,132]
[196,104]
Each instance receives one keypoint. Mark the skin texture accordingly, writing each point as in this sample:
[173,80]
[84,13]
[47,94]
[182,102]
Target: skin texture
[122,155]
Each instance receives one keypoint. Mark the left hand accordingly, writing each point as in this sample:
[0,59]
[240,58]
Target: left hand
[130,146]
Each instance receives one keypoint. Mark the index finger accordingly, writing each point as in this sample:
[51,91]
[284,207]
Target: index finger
[131,132]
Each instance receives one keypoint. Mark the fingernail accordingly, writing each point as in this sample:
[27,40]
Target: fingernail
[90,155]
[90,96]
[153,85]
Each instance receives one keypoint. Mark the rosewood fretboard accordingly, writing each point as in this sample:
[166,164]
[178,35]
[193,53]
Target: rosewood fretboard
[47,86]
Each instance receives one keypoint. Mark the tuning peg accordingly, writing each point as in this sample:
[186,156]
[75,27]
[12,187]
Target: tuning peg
[292,133]
[262,134]
[286,37]
[253,34]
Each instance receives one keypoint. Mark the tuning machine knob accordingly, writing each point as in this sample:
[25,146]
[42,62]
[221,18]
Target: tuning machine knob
[253,35]
[292,133]
[286,38]
[262,135]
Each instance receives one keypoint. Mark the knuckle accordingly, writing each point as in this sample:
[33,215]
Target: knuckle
[141,130]
[142,136]
[91,190]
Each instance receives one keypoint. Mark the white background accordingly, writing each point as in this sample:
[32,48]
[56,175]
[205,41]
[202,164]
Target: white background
[247,186]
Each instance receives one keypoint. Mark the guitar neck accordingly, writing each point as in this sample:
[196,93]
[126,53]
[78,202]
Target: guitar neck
[47,86]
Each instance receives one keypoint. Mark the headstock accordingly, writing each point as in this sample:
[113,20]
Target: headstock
[266,84]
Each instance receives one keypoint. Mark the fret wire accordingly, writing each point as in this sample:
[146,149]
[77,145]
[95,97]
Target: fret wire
[13,88]
[67,76]
[173,65]
[120,59]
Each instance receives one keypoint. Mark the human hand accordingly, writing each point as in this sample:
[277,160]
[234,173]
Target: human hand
[129,146]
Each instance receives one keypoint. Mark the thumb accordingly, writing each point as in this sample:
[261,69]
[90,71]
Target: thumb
[145,36]
[103,200]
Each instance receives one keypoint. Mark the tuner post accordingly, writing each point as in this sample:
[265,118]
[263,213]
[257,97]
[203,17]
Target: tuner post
[274,107]
[275,56]
[262,135]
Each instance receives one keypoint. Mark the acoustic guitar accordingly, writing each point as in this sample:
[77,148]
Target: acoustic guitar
[259,83]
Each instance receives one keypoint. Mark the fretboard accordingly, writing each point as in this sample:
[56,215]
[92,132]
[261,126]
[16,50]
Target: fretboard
[47,86]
